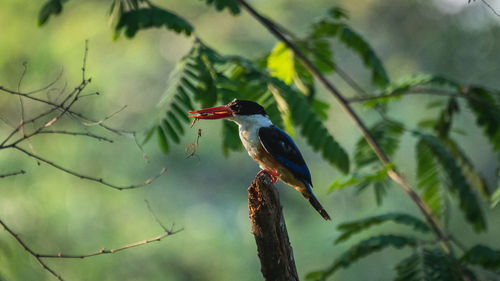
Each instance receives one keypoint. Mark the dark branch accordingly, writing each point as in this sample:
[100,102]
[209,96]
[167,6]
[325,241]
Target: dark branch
[269,228]
[12,174]
[16,236]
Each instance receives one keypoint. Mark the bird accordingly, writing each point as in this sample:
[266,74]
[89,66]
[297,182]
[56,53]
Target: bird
[269,146]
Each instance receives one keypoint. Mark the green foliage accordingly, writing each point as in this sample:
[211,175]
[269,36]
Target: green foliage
[468,169]
[51,7]
[431,265]
[359,178]
[487,111]
[351,228]
[230,140]
[386,134]
[142,18]
[162,139]
[495,198]
[311,126]
[281,63]
[220,5]
[483,256]
[362,249]
[428,178]
[396,89]
[457,182]
[410,269]
[334,27]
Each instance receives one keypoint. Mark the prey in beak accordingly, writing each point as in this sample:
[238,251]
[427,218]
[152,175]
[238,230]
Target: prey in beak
[218,112]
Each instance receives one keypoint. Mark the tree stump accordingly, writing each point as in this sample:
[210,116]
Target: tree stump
[269,228]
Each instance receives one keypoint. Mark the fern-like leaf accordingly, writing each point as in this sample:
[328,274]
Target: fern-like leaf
[334,27]
[487,111]
[311,126]
[457,182]
[428,178]
[134,20]
[231,5]
[51,7]
[362,249]
[386,134]
[483,256]
[396,89]
[351,228]
[432,265]
[410,269]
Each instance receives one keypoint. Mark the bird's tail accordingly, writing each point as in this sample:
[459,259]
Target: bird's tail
[315,203]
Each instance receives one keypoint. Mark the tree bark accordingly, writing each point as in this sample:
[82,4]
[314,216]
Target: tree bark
[269,229]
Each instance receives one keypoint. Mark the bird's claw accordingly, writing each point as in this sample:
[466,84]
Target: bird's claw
[271,174]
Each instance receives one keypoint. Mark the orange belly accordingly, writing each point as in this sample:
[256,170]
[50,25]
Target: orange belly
[268,162]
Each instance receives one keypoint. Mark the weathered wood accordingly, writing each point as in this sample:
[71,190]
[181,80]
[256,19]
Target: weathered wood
[269,229]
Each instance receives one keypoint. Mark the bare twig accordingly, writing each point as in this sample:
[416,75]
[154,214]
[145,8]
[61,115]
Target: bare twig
[105,118]
[491,8]
[424,91]
[82,176]
[88,134]
[48,86]
[156,217]
[433,222]
[110,251]
[28,249]
[12,174]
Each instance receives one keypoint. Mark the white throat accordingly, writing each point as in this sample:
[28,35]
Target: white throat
[249,126]
[246,122]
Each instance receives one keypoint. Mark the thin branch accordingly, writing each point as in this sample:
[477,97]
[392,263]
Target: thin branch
[110,251]
[84,64]
[105,118]
[28,249]
[156,217]
[88,134]
[395,176]
[491,8]
[48,85]
[424,91]
[82,176]
[12,174]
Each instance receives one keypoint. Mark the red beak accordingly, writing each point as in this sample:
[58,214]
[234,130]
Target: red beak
[217,112]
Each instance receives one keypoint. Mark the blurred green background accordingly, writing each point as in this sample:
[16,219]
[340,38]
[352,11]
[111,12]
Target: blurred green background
[54,211]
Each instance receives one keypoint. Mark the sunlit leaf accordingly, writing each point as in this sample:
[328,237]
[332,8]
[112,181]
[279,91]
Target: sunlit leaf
[281,64]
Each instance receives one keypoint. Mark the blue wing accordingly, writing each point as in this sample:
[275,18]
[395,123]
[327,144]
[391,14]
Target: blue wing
[282,148]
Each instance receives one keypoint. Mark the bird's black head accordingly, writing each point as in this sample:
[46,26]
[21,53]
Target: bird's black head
[246,107]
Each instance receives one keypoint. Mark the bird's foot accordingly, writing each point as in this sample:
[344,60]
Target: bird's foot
[272,175]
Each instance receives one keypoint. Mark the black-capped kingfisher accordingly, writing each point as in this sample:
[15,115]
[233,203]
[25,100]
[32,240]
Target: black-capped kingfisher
[273,149]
